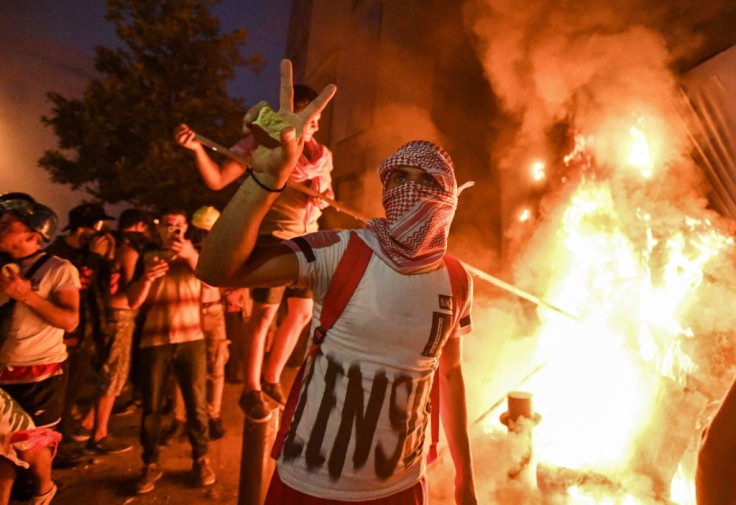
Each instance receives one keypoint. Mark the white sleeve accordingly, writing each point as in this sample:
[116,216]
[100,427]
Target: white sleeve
[318,254]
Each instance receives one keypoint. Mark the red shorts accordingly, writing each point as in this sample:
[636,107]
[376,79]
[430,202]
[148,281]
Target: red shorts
[280,494]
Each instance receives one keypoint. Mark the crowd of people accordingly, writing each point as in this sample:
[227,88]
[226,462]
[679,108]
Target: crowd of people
[78,311]
[98,319]
[155,310]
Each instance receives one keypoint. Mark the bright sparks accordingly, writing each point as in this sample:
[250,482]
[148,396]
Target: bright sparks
[601,380]
[640,155]
[538,171]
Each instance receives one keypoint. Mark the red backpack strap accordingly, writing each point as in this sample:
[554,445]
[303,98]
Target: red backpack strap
[460,290]
[347,276]
[344,282]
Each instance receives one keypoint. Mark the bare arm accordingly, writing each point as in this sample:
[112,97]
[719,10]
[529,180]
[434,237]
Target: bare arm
[186,251]
[127,258]
[454,415]
[215,176]
[138,291]
[62,313]
[228,258]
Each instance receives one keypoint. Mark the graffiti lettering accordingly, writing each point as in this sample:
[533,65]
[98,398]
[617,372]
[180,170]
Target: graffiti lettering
[291,448]
[365,421]
[314,456]
[385,465]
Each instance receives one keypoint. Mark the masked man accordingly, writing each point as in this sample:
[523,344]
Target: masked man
[357,431]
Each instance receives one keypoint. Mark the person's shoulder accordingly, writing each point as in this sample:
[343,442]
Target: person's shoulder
[319,241]
[58,267]
[55,261]
[324,238]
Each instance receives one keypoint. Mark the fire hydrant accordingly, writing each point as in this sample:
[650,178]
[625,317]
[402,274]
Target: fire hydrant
[520,419]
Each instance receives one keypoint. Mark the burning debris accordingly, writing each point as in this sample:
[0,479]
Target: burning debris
[619,235]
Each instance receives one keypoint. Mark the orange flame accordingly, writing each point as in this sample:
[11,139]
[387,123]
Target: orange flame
[601,375]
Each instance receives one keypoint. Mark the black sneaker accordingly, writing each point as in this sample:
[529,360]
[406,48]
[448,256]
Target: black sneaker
[252,404]
[217,429]
[68,455]
[176,433]
[274,392]
[108,445]
[151,473]
[203,472]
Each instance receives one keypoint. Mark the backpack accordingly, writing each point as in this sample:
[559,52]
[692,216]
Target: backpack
[347,276]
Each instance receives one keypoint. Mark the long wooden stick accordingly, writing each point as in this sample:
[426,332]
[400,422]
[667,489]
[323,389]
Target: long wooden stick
[338,206]
[290,184]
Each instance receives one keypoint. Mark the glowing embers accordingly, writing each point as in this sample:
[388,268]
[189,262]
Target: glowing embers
[613,385]
[639,154]
[538,171]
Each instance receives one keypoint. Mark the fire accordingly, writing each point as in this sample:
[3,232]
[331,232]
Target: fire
[603,379]
[538,171]
[639,154]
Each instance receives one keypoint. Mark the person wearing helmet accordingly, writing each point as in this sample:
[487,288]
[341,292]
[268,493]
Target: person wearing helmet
[39,301]
[292,214]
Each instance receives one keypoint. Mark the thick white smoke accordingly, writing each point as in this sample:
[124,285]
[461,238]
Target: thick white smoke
[600,67]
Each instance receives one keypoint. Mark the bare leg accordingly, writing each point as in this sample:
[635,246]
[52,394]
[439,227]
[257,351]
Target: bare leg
[40,462]
[298,316]
[7,477]
[105,404]
[88,422]
[255,338]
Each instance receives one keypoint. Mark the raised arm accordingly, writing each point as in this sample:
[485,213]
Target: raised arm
[227,258]
[215,176]
[453,412]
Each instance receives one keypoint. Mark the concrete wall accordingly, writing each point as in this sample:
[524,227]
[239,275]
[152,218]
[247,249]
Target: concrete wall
[404,71]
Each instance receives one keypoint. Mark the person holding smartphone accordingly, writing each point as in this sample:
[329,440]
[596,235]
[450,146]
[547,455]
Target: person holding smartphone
[172,341]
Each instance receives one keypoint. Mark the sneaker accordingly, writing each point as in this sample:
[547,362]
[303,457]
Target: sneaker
[176,433]
[108,445]
[217,429]
[252,404]
[274,392]
[81,434]
[203,471]
[151,473]
[44,499]
[68,455]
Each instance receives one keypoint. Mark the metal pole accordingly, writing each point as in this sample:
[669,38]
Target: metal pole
[338,206]
[290,184]
[256,464]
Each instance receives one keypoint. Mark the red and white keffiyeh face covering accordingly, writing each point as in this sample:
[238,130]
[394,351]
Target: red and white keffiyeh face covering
[413,236]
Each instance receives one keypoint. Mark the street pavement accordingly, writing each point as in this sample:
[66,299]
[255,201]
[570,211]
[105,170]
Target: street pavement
[110,479]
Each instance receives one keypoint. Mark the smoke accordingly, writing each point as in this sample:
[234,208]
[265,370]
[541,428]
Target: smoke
[597,66]
[605,71]
[542,58]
